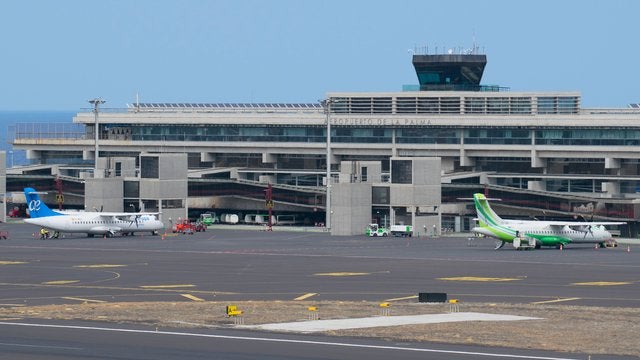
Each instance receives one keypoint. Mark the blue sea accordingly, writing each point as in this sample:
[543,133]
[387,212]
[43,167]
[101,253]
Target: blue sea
[9,119]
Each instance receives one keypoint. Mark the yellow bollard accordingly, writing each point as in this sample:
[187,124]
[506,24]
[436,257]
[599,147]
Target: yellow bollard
[385,309]
[453,306]
[313,312]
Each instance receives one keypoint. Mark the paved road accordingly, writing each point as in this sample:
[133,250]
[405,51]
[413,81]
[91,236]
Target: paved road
[244,265]
[53,340]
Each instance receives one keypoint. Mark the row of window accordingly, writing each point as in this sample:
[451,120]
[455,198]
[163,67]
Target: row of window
[551,232]
[456,105]
[405,135]
[103,222]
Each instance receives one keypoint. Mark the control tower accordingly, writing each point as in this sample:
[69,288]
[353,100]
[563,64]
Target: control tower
[451,72]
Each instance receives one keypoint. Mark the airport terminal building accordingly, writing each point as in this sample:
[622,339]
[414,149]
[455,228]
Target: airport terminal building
[539,151]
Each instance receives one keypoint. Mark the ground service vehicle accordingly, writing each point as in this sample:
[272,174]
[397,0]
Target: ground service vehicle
[401,230]
[184,226]
[376,230]
[208,218]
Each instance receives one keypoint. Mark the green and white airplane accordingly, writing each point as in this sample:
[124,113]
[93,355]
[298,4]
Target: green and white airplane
[535,233]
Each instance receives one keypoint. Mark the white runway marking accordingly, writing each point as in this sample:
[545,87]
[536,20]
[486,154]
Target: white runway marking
[40,346]
[379,321]
[292,341]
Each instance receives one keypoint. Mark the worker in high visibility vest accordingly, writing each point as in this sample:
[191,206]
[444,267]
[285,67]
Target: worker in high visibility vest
[44,233]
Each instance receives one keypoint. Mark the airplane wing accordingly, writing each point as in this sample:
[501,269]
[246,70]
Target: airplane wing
[126,214]
[560,224]
[584,223]
[581,226]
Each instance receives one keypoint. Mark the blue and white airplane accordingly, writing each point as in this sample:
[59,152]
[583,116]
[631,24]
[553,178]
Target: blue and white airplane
[92,223]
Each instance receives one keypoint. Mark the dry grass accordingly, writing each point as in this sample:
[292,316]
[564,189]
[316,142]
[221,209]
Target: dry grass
[594,330]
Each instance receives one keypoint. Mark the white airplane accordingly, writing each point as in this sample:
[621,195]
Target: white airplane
[93,223]
[537,233]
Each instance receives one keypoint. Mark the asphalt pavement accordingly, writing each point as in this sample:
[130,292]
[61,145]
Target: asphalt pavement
[257,265]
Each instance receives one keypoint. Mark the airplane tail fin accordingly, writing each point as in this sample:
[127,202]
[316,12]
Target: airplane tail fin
[486,215]
[36,207]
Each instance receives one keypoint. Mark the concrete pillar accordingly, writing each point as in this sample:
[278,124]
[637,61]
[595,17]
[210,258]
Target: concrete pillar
[268,158]
[611,163]
[536,185]
[536,161]
[611,188]
[466,160]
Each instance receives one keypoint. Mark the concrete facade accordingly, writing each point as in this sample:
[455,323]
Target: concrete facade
[351,208]
[166,193]
[542,141]
[416,203]
[104,194]
[161,184]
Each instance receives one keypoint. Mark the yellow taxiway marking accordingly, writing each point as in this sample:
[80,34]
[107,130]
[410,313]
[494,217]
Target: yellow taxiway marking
[173,286]
[5,262]
[191,297]
[82,299]
[473,278]
[60,282]
[342,274]
[305,296]
[15,305]
[554,301]
[402,298]
[602,283]
[99,266]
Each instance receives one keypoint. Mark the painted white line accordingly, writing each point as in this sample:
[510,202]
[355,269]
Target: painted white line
[41,346]
[83,299]
[403,298]
[283,340]
[554,301]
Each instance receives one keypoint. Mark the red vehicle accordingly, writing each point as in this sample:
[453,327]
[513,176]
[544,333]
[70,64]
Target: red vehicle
[184,227]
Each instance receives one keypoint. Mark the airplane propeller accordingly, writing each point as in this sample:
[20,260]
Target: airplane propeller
[135,219]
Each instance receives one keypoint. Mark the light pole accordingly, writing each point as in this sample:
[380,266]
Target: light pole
[96,108]
[326,104]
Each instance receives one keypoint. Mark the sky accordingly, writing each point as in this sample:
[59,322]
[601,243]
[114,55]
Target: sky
[56,55]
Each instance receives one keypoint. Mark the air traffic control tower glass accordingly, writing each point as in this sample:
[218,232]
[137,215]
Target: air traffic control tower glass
[457,72]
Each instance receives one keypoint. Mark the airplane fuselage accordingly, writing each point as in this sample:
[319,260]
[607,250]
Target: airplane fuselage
[97,224]
[552,235]
[545,233]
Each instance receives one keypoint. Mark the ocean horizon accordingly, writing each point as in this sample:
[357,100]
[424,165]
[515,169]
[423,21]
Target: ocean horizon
[9,119]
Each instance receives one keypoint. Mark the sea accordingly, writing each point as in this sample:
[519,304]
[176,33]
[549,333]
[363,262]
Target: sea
[10,119]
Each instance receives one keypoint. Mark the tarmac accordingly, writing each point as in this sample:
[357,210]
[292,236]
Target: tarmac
[380,321]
